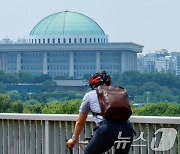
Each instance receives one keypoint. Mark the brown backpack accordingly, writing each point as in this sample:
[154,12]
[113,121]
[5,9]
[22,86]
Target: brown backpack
[114,103]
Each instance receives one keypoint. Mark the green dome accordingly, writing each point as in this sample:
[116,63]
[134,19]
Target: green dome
[67,23]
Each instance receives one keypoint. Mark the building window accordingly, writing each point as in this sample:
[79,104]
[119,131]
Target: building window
[43,40]
[64,40]
[48,40]
[32,40]
[94,40]
[80,41]
[90,40]
[35,41]
[69,40]
[98,40]
[53,40]
[59,40]
[85,40]
[104,40]
[75,40]
[39,40]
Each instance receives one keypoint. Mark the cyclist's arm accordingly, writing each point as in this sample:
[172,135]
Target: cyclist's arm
[78,128]
[79,124]
[83,112]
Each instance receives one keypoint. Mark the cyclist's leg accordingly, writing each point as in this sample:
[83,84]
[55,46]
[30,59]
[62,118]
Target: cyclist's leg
[124,145]
[106,135]
[101,142]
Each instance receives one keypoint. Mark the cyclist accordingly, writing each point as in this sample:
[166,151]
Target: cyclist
[107,130]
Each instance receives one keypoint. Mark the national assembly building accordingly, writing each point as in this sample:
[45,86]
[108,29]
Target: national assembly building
[68,44]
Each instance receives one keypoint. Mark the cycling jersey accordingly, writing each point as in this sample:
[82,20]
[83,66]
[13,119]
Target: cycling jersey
[90,103]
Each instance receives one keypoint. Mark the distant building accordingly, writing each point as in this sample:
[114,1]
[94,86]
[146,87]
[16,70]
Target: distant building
[68,44]
[75,85]
[178,65]
[6,41]
[62,85]
[160,65]
[159,61]
[24,88]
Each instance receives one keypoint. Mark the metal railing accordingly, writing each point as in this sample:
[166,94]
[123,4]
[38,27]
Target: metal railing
[47,133]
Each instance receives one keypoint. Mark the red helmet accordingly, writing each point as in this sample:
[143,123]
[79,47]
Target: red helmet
[98,79]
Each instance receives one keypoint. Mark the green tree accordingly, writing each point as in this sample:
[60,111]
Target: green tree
[14,96]
[173,110]
[4,102]
[2,87]
[25,77]
[86,76]
[49,86]
[159,109]
[11,78]
[42,78]
[37,108]
[53,108]
[2,76]
[17,107]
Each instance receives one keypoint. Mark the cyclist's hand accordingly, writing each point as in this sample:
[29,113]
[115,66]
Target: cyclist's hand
[70,143]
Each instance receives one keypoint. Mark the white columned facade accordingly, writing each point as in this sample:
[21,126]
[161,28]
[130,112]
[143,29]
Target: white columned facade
[71,64]
[98,61]
[18,67]
[45,70]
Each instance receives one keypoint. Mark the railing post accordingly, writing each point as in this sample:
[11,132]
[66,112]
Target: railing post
[81,138]
[32,138]
[56,137]
[43,137]
[143,148]
[179,139]
[173,149]
[49,137]
[27,137]
[21,137]
[38,137]
[63,137]
[136,143]
[157,126]
[5,141]
[10,137]
[16,137]
[1,136]
[150,136]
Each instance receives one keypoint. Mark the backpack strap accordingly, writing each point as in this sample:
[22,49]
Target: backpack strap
[96,114]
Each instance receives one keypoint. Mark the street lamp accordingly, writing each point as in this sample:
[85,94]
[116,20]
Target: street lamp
[147,98]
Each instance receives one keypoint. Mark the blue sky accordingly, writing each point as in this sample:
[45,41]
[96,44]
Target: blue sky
[152,23]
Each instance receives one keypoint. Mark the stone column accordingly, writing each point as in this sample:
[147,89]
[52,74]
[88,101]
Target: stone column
[4,61]
[98,61]
[135,61]
[123,61]
[1,64]
[71,64]
[45,70]
[18,63]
